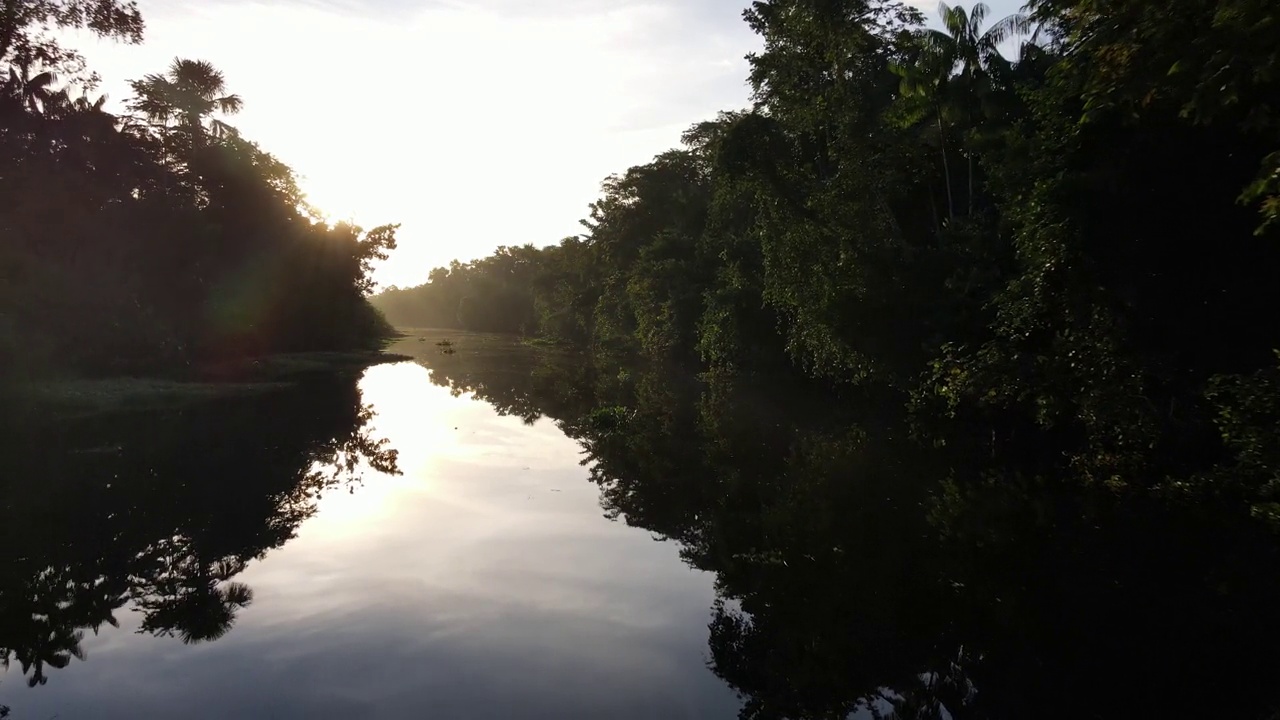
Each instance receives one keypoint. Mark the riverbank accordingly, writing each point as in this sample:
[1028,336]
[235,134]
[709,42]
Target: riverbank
[73,396]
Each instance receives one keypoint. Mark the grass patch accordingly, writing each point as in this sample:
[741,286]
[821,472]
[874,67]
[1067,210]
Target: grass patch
[545,342]
[68,397]
[77,396]
[287,367]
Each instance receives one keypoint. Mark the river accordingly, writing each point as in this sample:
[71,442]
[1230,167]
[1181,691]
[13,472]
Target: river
[494,530]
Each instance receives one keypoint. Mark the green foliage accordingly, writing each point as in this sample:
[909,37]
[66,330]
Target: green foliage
[494,294]
[1048,252]
[1211,63]
[608,420]
[1248,419]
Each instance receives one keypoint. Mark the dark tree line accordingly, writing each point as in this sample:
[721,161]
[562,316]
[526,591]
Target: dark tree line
[161,236]
[1067,253]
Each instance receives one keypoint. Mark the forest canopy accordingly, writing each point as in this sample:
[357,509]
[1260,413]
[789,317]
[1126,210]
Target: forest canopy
[1054,232]
[160,236]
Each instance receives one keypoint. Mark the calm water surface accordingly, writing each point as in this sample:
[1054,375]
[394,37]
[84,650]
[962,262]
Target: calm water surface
[495,531]
[482,581]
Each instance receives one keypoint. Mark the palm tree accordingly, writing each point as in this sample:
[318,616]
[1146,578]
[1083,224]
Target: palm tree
[62,104]
[963,50]
[195,601]
[963,42]
[53,646]
[190,93]
[30,91]
[925,80]
[211,611]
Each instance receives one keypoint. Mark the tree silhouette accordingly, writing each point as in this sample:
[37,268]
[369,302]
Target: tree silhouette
[31,91]
[188,95]
[22,23]
[51,647]
[192,600]
[166,521]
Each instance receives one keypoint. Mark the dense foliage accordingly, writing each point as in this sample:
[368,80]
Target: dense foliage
[160,236]
[1066,250]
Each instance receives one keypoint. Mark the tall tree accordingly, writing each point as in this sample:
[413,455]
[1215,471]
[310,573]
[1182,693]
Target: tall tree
[191,92]
[924,80]
[964,49]
[963,42]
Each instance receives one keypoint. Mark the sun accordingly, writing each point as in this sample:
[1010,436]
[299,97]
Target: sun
[333,204]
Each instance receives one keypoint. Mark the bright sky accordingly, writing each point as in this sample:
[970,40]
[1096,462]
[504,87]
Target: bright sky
[472,123]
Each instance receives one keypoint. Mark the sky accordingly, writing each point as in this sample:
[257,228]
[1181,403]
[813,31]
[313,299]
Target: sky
[473,123]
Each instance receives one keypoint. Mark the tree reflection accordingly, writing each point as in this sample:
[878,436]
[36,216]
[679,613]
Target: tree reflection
[160,511]
[185,596]
[44,629]
[862,573]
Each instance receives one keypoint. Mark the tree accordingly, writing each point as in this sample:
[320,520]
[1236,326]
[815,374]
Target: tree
[27,90]
[164,238]
[964,49]
[23,22]
[925,80]
[191,92]
[193,600]
[965,45]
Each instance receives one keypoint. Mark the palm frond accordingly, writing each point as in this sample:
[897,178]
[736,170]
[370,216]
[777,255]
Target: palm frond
[940,51]
[227,568]
[222,130]
[978,15]
[42,81]
[237,594]
[937,41]
[230,104]
[1013,26]
[955,20]
[76,650]
[152,80]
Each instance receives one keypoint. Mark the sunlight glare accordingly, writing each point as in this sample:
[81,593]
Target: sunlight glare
[404,396]
[435,117]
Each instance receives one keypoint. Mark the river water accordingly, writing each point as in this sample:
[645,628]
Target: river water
[499,531]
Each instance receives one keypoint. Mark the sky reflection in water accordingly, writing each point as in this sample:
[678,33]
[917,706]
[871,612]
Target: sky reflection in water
[483,582]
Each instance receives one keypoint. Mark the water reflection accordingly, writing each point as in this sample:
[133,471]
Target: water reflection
[160,511]
[860,573]
[480,582]
[823,565]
